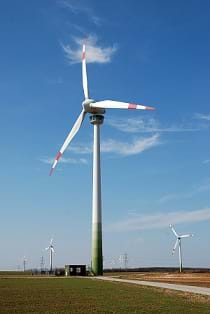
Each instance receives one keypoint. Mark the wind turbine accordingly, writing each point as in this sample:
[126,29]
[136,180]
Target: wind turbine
[96,109]
[178,242]
[51,249]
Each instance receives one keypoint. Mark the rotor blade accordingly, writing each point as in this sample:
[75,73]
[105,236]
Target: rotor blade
[47,248]
[72,133]
[84,73]
[51,241]
[110,104]
[175,245]
[52,249]
[173,230]
[186,235]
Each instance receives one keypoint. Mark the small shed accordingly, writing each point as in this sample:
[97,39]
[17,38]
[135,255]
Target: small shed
[75,270]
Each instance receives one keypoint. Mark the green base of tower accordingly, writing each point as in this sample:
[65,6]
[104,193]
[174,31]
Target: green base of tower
[97,256]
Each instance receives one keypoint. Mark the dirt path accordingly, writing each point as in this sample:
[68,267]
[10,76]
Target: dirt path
[187,279]
[191,289]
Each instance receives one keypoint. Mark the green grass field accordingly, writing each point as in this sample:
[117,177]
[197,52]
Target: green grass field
[14,273]
[84,295]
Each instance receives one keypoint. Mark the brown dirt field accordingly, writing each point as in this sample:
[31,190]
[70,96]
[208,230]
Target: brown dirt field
[191,279]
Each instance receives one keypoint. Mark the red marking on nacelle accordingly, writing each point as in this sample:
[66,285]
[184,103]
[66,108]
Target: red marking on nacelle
[132,106]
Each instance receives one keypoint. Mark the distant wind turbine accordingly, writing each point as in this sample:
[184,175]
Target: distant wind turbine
[51,250]
[178,242]
[96,109]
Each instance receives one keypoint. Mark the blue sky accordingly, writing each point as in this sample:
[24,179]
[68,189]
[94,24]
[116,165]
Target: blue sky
[155,165]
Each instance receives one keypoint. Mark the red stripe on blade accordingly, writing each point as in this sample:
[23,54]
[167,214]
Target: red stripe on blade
[132,106]
[83,55]
[58,156]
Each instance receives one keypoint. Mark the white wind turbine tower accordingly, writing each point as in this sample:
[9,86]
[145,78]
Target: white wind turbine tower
[96,109]
[178,242]
[51,250]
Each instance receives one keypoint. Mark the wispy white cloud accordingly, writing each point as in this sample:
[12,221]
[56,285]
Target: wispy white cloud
[79,28]
[159,220]
[195,190]
[147,125]
[136,147]
[112,146]
[202,116]
[203,187]
[169,197]
[95,52]
[207,161]
[77,7]
[81,148]
[65,161]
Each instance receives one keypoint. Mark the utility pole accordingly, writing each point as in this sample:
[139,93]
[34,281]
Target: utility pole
[126,260]
[24,263]
[42,263]
[121,260]
[113,263]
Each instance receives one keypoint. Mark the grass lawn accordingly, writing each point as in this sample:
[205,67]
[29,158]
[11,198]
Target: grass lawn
[82,295]
[14,273]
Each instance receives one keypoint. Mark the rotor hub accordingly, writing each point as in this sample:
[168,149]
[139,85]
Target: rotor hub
[87,102]
[88,105]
